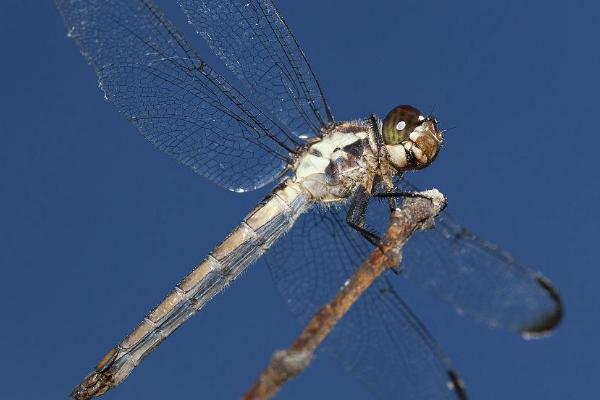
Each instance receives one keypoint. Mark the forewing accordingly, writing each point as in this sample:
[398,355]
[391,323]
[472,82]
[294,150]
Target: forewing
[154,77]
[255,43]
[479,279]
[379,341]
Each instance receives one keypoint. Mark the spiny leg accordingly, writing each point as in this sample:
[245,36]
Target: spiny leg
[357,215]
[400,193]
[393,196]
[357,211]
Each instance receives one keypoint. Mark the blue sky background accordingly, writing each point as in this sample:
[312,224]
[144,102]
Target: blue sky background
[87,206]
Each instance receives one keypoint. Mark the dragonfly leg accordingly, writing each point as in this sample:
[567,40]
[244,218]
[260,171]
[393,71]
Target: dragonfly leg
[357,215]
[393,196]
[357,211]
[396,194]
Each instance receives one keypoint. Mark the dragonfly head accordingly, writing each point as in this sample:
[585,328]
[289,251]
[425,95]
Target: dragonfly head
[412,140]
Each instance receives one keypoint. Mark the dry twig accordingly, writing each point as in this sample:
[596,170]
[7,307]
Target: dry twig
[416,213]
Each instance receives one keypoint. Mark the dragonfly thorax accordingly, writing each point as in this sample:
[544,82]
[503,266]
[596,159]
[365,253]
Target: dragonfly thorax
[332,167]
[352,153]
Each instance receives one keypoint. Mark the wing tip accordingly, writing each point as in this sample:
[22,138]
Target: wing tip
[548,323]
[456,385]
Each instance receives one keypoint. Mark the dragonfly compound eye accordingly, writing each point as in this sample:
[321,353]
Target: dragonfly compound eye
[399,123]
[411,139]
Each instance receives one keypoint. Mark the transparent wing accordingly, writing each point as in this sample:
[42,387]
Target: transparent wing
[479,279]
[154,77]
[255,43]
[379,340]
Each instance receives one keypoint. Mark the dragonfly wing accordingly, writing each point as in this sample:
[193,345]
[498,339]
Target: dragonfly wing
[255,43]
[479,279]
[379,341]
[385,345]
[155,78]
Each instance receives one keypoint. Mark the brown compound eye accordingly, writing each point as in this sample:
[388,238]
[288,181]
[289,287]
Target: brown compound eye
[399,123]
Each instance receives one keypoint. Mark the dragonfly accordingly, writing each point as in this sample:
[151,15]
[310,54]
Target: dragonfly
[274,126]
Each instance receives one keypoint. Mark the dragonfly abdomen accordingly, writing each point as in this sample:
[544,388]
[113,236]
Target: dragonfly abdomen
[244,245]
